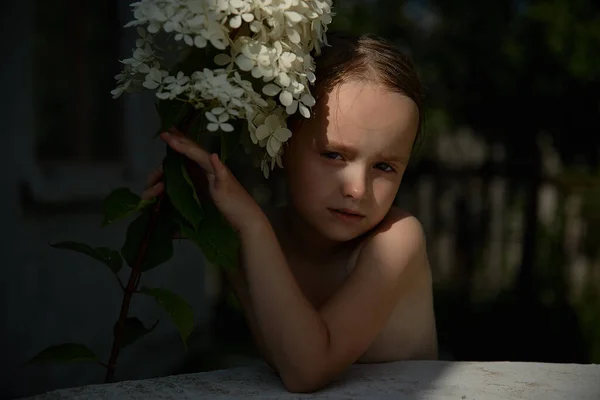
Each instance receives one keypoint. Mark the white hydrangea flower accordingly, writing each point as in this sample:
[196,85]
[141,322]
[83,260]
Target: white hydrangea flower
[268,40]
[218,118]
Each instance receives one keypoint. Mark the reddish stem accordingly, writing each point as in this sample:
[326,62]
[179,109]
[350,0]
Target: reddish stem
[131,288]
[136,272]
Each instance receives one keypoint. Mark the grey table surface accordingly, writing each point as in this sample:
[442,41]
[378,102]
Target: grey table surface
[397,380]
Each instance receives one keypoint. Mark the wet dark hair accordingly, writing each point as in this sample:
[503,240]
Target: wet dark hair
[366,58]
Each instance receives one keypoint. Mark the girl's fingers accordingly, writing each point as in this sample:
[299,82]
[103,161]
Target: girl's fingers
[220,169]
[153,191]
[190,149]
[154,177]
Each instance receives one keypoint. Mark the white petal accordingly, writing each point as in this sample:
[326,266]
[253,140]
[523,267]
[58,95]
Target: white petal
[150,85]
[284,79]
[248,17]
[218,43]
[294,35]
[272,122]
[271,89]
[273,146]
[244,62]
[255,26]
[235,22]
[217,110]
[211,117]
[188,40]
[117,92]
[257,72]
[226,127]
[143,68]
[308,99]
[286,98]
[304,111]
[223,117]
[292,108]
[282,134]
[222,59]
[169,26]
[262,132]
[212,127]
[196,22]
[153,27]
[293,16]
[253,137]
[199,42]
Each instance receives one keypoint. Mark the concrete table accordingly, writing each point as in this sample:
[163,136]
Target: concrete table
[398,380]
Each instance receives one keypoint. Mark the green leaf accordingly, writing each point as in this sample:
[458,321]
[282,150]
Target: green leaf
[134,329]
[233,301]
[120,203]
[109,257]
[171,112]
[180,188]
[160,246]
[65,353]
[179,310]
[215,237]
[229,142]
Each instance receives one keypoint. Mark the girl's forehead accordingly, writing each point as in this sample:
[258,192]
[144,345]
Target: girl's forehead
[357,111]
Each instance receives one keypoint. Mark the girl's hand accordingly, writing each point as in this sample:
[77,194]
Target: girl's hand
[229,196]
[154,184]
[154,188]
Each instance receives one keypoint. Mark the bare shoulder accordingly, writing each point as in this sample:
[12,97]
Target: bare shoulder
[399,224]
[396,251]
[398,241]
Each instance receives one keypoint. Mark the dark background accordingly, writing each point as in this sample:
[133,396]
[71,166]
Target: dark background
[506,184]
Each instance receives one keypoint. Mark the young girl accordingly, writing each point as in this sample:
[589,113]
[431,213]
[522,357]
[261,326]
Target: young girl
[339,275]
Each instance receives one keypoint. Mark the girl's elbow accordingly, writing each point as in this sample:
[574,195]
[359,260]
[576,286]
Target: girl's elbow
[303,382]
[301,386]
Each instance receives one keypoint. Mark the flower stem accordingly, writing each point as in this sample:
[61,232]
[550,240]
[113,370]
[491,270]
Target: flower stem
[131,288]
[136,272]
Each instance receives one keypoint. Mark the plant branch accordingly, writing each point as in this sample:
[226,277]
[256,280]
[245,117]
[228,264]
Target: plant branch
[134,277]
[131,288]
[120,283]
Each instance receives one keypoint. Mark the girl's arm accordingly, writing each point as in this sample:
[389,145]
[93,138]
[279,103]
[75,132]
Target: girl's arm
[309,347]
[238,280]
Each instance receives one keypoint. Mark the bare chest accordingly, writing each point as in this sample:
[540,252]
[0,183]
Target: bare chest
[319,283]
[393,342]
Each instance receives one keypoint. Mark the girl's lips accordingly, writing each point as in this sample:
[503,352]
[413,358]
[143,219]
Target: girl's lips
[346,215]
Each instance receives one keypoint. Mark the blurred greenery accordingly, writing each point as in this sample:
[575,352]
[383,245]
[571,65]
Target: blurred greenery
[75,50]
[510,71]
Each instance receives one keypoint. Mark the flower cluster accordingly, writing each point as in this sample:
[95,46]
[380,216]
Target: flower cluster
[267,41]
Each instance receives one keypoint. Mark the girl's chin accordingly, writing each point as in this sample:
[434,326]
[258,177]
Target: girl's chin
[342,231]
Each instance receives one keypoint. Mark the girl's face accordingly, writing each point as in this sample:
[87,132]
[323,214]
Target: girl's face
[344,165]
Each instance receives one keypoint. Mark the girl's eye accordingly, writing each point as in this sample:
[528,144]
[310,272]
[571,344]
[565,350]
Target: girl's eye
[332,155]
[385,167]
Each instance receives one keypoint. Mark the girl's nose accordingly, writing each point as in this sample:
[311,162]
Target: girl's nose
[354,184]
